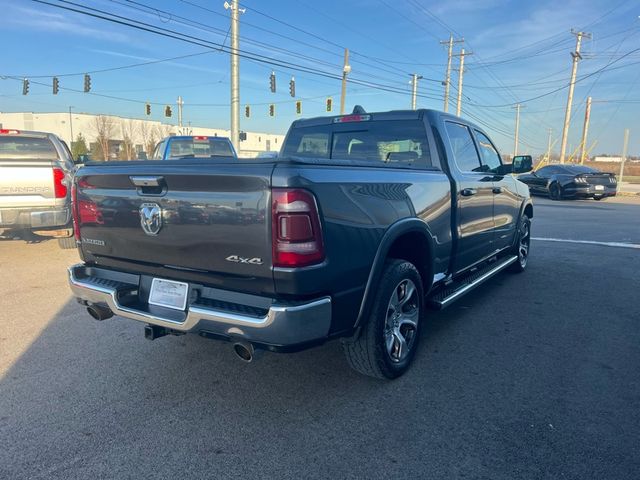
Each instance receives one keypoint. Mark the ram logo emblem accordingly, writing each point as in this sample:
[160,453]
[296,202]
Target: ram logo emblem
[151,218]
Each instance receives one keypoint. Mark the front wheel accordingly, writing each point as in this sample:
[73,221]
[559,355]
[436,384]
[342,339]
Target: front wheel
[521,248]
[388,341]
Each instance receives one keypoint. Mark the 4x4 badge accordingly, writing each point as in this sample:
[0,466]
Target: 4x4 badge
[151,218]
[238,259]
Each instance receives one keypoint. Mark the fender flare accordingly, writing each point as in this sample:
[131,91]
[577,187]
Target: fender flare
[527,202]
[395,231]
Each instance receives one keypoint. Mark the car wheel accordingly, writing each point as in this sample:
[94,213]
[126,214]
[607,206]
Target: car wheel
[67,243]
[599,198]
[389,338]
[555,191]
[522,247]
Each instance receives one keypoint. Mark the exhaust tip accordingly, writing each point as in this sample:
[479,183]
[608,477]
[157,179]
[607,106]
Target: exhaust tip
[244,351]
[99,312]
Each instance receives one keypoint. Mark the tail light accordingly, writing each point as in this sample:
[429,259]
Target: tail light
[59,183]
[296,231]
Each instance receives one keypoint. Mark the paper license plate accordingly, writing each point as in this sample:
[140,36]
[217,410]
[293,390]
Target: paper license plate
[599,187]
[167,293]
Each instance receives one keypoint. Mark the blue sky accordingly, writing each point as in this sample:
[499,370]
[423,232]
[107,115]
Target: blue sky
[521,50]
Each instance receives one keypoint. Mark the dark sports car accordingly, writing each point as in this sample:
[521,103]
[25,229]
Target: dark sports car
[570,181]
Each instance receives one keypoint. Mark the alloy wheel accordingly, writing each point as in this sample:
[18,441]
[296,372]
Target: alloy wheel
[403,314]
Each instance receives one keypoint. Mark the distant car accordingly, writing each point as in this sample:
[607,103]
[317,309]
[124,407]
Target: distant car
[199,146]
[570,181]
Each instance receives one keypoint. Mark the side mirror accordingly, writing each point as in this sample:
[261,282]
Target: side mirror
[522,164]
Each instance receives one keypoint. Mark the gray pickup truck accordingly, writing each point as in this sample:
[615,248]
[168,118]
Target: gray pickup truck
[362,221]
[36,170]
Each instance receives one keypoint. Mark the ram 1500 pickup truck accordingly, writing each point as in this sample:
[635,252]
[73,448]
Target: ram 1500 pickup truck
[362,221]
[36,169]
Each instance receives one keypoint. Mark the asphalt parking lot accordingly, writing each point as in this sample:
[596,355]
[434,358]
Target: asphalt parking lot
[532,376]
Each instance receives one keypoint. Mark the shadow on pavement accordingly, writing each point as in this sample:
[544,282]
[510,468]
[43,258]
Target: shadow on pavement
[497,391]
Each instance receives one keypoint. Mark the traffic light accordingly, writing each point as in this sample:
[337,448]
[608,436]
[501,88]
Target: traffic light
[247,111]
[272,110]
[329,104]
[298,107]
[56,85]
[167,111]
[272,82]
[87,83]
[242,136]
[25,86]
[292,87]
[147,109]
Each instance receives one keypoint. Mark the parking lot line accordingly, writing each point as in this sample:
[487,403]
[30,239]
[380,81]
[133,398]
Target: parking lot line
[589,242]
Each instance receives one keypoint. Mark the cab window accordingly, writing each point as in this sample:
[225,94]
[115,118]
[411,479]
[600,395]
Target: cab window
[489,156]
[464,151]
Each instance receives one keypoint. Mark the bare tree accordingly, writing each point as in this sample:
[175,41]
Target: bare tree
[104,129]
[129,130]
[148,136]
[163,130]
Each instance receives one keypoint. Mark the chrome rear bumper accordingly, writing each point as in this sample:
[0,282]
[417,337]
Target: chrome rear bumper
[278,324]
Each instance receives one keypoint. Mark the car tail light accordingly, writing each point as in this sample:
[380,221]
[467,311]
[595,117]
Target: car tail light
[296,230]
[59,183]
[5,131]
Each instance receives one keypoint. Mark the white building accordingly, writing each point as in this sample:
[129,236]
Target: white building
[142,132]
[608,159]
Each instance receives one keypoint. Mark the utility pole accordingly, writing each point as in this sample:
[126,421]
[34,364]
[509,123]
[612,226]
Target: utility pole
[549,146]
[515,147]
[462,54]
[585,130]
[180,104]
[414,89]
[447,78]
[71,126]
[235,72]
[346,69]
[624,156]
[567,116]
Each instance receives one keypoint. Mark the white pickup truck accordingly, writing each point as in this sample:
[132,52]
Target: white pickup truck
[36,169]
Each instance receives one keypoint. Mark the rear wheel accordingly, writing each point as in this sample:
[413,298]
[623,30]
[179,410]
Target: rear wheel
[67,243]
[555,191]
[599,198]
[521,248]
[388,341]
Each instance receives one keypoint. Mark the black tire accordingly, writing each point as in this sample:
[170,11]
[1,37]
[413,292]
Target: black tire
[67,243]
[522,246]
[378,351]
[599,198]
[555,191]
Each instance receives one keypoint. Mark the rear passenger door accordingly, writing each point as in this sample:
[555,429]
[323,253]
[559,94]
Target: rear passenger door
[506,201]
[474,199]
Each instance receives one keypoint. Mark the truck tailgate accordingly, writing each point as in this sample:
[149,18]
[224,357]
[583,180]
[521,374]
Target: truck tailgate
[26,183]
[213,220]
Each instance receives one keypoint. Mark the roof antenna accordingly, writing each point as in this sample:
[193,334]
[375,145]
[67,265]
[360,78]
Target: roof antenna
[358,110]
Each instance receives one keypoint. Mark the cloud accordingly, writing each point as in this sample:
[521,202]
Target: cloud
[46,21]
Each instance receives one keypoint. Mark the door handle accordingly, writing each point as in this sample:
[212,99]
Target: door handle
[497,190]
[467,192]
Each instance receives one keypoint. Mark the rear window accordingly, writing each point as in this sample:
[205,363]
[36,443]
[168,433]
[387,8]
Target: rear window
[26,147]
[191,147]
[391,143]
